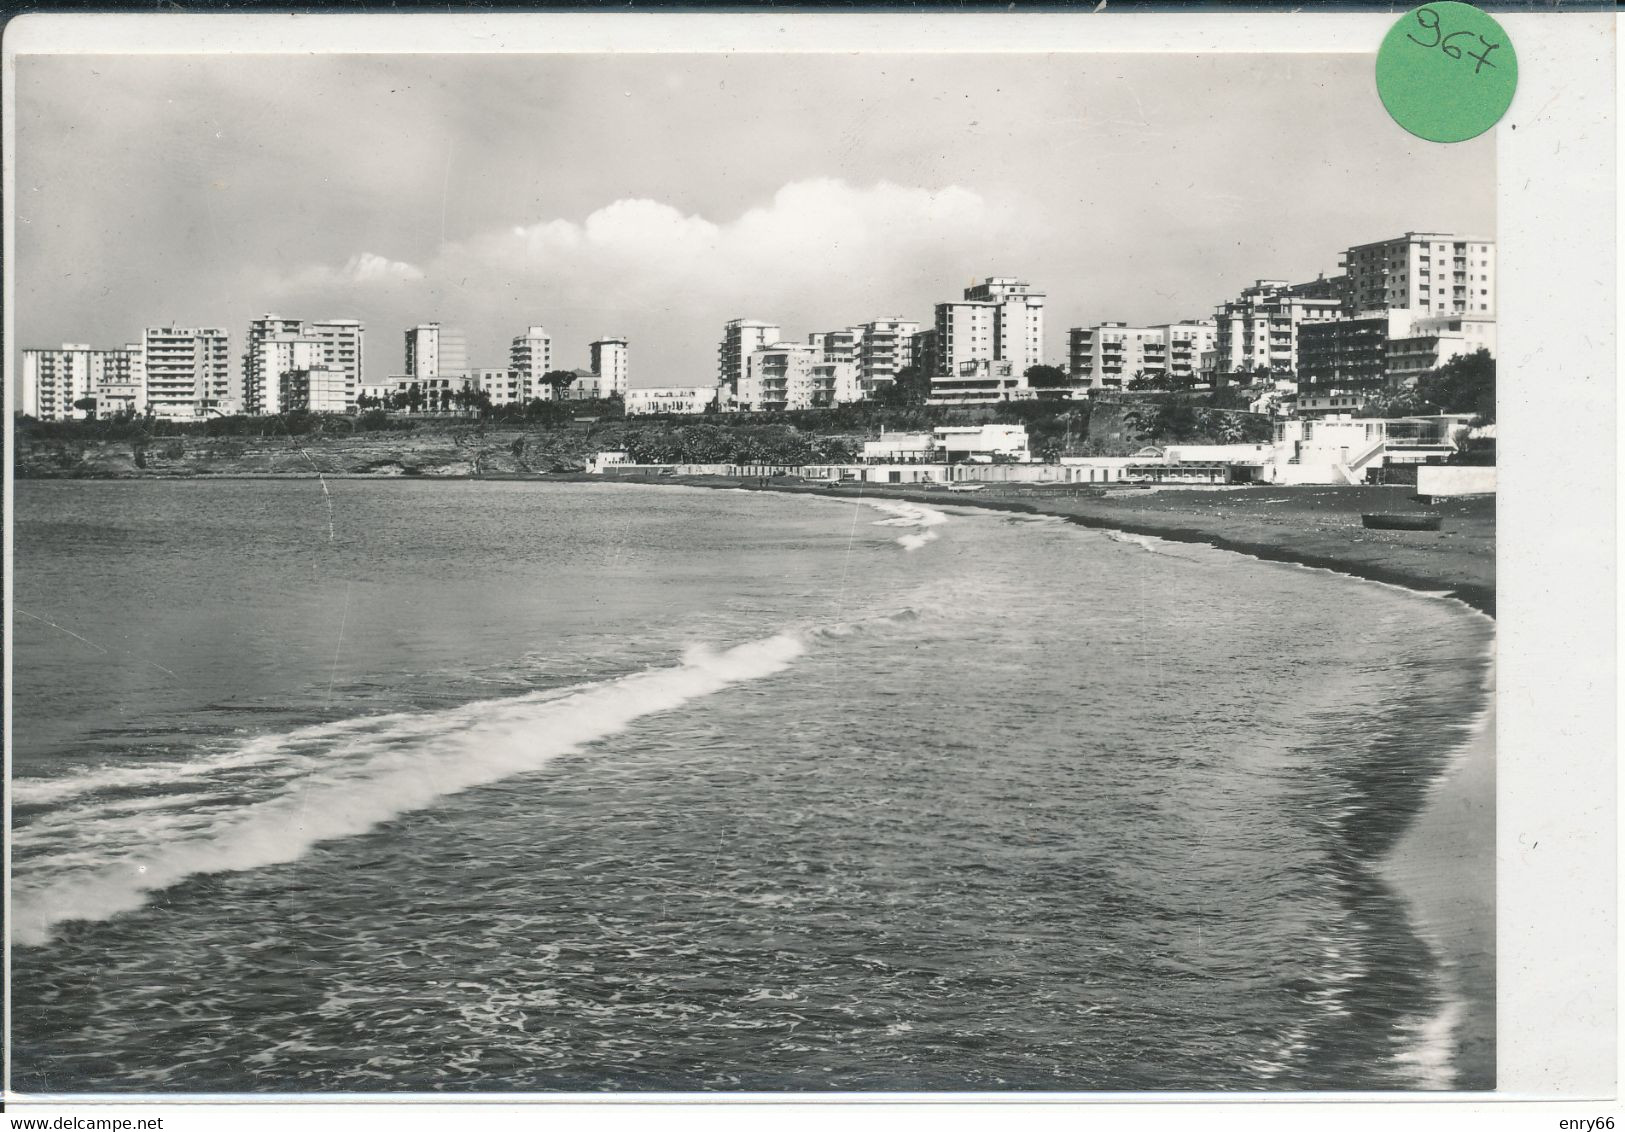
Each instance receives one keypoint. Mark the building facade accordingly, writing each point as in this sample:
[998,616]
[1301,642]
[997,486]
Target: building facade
[778,378]
[188,372]
[433,350]
[741,337]
[1427,273]
[609,363]
[999,319]
[1258,330]
[887,347]
[54,382]
[531,357]
[317,388]
[684,400]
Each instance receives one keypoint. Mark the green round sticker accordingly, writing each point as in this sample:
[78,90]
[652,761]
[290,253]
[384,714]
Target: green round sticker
[1446,71]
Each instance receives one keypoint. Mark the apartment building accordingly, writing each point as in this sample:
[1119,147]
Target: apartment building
[608,361]
[432,350]
[502,386]
[275,345]
[835,383]
[778,378]
[343,346]
[188,372]
[741,337]
[1428,273]
[54,382]
[923,345]
[319,388]
[838,345]
[887,346]
[1258,330]
[1434,341]
[531,357]
[999,319]
[1111,355]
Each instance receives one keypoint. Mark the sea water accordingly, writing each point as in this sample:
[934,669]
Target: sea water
[403,786]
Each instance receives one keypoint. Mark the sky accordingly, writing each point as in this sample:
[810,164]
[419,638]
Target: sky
[656,196]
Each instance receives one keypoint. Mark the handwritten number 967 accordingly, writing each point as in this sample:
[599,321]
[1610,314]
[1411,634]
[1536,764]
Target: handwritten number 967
[1429,19]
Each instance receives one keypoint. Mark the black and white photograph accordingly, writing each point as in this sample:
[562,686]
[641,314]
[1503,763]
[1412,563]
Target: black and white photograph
[884,571]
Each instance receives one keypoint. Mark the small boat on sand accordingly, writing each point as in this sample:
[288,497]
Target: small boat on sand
[1401,521]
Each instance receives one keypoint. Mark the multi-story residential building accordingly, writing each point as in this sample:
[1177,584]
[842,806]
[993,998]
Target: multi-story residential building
[923,345]
[319,388]
[1000,319]
[54,382]
[887,346]
[1187,342]
[778,378]
[432,350]
[1258,330]
[741,337]
[1347,354]
[188,372]
[273,357]
[686,400]
[838,345]
[334,343]
[502,386]
[531,357]
[587,386]
[835,383]
[1427,273]
[609,363]
[1434,341]
[343,346]
[1110,355]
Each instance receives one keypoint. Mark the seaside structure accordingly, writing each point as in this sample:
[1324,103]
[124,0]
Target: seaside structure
[741,337]
[1257,332]
[609,363]
[1426,273]
[688,400]
[188,372]
[55,382]
[999,319]
[531,357]
[887,346]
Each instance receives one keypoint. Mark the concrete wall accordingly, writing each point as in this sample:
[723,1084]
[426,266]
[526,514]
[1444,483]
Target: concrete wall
[1452,479]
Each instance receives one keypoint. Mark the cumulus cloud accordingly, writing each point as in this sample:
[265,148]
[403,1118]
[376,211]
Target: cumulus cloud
[361,270]
[818,254]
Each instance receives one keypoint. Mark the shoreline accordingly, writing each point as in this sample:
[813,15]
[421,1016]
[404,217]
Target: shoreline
[1435,866]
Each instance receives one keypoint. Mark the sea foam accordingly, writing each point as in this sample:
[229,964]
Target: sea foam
[343,779]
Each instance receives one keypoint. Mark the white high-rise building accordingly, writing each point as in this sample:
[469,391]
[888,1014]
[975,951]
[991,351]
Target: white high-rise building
[54,382]
[999,319]
[1427,273]
[433,350]
[331,344]
[1258,330]
[609,363]
[531,357]
[1110,355]
[741,337]
[188,371]
[886,348]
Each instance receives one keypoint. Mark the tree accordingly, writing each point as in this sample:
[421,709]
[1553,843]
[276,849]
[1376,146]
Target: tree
[560,380]
[1464,384]
[86,404]
[414,398]
[1047,377]
[911,386]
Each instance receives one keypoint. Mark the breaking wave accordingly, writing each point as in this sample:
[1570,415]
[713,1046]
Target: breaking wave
[330,781]
[904,514]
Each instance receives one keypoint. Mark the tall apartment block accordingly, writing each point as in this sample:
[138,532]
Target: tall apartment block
[741,337]
[788,376]
[277,346]
[838,345]
[1427,273]
[609,363]
[54,382]
[999,319]
[188,371]
[531,357]
[1258,330]
[433,350]
[886,348]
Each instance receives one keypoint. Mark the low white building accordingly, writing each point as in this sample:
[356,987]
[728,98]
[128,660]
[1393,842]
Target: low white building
[683,400]
[979,443]
[900,448]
